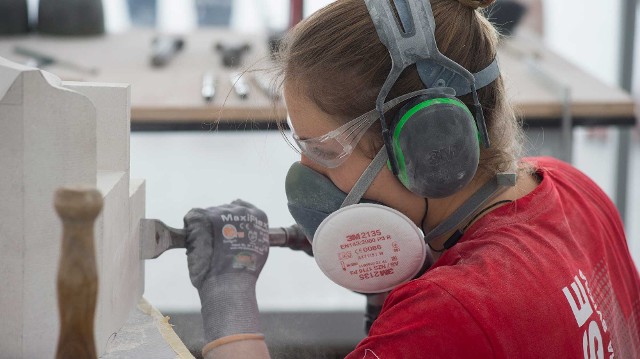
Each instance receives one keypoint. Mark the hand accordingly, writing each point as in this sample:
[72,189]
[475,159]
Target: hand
[227,247]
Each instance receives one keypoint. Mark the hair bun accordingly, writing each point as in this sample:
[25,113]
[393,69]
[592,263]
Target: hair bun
[474,4]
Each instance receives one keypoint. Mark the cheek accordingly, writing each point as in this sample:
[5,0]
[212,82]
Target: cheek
[343,176]
[344,180]
[385,188]
[346,175]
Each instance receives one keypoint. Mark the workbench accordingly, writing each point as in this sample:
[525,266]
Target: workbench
[172,94]
[546,90]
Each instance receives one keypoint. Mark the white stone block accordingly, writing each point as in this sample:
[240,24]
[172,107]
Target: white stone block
[113,121]
[47,139]
[54,134]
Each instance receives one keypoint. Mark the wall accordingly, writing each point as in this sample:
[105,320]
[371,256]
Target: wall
[587,32]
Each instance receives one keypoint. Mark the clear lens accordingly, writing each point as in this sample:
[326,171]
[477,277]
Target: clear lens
[290,136]
[333,148]
[327,151]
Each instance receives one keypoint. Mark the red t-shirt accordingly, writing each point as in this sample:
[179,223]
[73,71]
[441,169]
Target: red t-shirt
[546,276]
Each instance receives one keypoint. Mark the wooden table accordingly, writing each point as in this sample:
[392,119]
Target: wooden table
[538,81]
[592,102]
[172,94]
[549,91]
[161,95]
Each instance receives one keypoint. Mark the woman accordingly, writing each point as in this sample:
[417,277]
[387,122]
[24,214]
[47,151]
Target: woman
[538,267]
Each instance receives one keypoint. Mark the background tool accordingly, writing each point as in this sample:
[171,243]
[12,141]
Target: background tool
[240,85]
[164,48]
[232,53]
[42,60]
[156,237]
[208,86]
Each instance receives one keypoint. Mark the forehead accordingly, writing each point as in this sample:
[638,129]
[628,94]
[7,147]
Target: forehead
[307,118]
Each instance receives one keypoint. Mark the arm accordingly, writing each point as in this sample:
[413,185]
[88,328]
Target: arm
[227,247]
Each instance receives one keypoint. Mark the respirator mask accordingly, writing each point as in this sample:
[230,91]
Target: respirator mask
[365,247]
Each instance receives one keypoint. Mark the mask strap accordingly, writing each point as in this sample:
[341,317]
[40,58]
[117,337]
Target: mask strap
[365,181]
[433,74]
[496,185]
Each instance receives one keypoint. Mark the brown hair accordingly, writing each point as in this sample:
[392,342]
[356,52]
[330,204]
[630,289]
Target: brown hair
[336,60]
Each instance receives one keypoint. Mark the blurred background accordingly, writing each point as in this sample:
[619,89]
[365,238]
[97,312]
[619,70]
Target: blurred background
[200,139]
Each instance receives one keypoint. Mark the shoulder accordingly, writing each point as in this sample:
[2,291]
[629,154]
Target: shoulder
[573,186]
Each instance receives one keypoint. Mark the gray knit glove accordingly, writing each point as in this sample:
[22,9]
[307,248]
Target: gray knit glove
[227,246]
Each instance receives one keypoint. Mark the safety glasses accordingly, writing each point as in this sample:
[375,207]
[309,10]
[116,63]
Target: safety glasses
[332,149]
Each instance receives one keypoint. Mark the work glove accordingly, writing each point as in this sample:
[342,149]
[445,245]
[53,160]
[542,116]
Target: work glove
[227,247]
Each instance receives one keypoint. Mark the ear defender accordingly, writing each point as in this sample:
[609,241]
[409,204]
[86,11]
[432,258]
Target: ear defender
[436,144]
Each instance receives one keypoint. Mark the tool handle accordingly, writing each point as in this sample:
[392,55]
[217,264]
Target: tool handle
[291,237]
[163,49]
[78,208]
[240,85]
[208,86]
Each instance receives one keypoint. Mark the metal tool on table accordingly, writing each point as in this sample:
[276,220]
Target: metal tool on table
[39,59]
[208,86]
[156,238]
[232,52]
[240,85]
[165,48]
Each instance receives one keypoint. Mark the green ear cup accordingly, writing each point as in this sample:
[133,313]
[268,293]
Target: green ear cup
[435,142]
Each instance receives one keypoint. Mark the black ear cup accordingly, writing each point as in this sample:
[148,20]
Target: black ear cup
[435,142]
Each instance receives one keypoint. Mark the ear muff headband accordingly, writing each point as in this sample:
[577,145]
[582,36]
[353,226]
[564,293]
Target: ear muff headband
[397,129]
[412,40]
